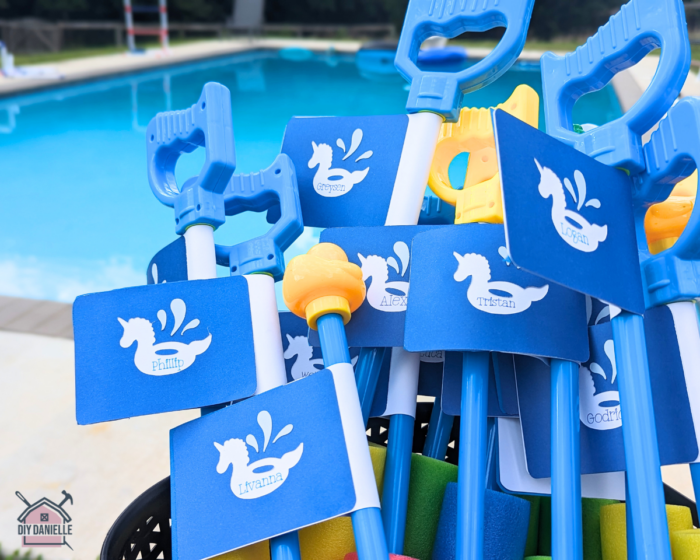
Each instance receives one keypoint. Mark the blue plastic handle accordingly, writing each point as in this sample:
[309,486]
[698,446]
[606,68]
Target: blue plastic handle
[274,189]
[206,124]
[441,92]
[638,28]
[671,155]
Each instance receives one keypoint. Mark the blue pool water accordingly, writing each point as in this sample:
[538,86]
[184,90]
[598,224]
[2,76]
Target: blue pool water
[78,214]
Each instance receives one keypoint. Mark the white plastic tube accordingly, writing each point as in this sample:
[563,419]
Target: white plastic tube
[414,168]
[267,335]
[403,383]
[404,210]
[201,256]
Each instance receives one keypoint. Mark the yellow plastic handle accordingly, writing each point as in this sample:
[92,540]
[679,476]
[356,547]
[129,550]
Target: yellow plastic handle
[322,282]
[473,133]
[665,221]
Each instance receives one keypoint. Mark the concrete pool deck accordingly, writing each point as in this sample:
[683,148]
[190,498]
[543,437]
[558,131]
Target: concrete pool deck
[629,85]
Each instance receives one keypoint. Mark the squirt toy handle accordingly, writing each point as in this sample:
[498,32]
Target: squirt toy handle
[672,154]
[274,189]
[638,28]
[441,92]
[206,124]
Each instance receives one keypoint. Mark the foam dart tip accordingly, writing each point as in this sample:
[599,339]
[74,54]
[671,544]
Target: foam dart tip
[321,282]
[685,545]
[613,528]
[664,222]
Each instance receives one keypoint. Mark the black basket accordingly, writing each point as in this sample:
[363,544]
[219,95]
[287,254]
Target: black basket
[144,527]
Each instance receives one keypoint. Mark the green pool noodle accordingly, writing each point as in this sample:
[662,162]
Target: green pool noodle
[429,478]
[544,534]
[538,558]
[590,521]
[534,527]
[590,512]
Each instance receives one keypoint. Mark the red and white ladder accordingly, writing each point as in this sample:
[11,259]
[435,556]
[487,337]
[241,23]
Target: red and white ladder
[131,31]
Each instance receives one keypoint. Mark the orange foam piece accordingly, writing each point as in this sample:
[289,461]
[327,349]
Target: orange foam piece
[323,281]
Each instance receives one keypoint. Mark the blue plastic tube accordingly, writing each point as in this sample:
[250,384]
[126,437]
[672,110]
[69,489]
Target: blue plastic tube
[285,547]
[397,473]
[695,475]
[646,495]
[367,370]
[367,523]
[439,431]
[631,555]
[567,536]
[473,436]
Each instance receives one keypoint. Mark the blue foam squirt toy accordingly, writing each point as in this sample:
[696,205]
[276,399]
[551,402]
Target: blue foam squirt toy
[442,92]
[672,154]
[637,29]
[274,189]
[201,205]
[640,27]
[170,134]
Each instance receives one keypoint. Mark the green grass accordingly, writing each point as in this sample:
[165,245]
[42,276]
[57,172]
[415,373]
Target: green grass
[28,555]
[43,58]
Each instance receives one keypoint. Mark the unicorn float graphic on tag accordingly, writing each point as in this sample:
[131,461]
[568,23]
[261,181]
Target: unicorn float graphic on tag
[337,182]
[599,411]
[305,364]
[571,226]
[383,295]
[165,358]
[498,298]
[254,480]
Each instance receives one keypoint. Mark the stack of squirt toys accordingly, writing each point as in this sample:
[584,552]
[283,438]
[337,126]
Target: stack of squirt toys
[560,300]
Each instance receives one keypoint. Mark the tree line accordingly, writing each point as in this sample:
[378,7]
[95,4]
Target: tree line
[551,18]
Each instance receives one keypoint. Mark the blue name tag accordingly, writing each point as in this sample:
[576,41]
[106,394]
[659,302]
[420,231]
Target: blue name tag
[384,255]
[568,217]
[300,358]
[504,370]
[467,295]
[346,167]
[452,387]
[161,348]
[266,466]
[169,264]
[601,418]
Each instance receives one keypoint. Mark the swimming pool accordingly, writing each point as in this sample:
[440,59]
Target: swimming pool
[79,215]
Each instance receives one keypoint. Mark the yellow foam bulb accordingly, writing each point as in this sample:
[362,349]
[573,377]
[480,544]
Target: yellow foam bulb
[665,221]
[613,528]
[480,199]
[685,545]
[322,282]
